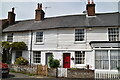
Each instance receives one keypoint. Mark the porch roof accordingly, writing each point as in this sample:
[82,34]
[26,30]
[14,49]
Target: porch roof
[105,44]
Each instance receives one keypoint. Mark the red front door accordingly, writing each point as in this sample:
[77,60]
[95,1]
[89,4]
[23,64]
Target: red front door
[66,60]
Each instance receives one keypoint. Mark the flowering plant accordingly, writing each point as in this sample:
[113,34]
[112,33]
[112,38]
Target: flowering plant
[21,61]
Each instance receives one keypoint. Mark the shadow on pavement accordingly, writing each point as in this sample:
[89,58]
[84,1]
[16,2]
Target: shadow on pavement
[9,76]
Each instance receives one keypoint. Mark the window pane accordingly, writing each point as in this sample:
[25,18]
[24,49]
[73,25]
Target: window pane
[39,36]
[79,57]
[114,59]
[37,56]
[101,59]
[119,58]
[10,37]
[79,35]
[113,34]
[18,54]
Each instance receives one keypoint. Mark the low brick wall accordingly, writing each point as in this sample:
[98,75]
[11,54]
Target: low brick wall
[24,68]
[80,73]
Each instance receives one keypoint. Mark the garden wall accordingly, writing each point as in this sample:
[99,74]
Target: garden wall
[51,72]
[43,70]
[34,69]
[24,68]
[80,73]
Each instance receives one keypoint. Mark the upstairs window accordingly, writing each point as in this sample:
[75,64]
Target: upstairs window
[79,57]
[10,37]
[39,36]
[79,34]
[113,34]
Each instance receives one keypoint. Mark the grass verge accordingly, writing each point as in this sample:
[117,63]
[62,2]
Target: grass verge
[29,74]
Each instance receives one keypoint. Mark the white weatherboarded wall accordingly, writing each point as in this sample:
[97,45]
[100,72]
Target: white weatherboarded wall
[63,38]
[49,41]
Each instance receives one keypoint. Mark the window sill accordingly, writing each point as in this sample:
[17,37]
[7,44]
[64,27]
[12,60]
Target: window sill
[39,43]
[79,42]
[80,64]
[37,63]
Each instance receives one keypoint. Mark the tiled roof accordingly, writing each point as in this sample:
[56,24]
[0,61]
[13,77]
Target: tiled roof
[100,20]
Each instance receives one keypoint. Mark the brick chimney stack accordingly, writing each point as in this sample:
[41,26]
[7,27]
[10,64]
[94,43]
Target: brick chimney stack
[39,13]
[11,16]
[90,7]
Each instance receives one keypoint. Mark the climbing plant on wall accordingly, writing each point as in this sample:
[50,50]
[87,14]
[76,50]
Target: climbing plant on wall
[18,46]
[7,48]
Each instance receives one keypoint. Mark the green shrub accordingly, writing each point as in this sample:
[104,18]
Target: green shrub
[21,61]
[53,63]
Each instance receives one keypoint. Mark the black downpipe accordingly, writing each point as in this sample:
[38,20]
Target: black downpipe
[31,46]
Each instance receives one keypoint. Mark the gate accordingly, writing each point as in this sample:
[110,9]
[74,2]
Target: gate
[62,72]
[42,70]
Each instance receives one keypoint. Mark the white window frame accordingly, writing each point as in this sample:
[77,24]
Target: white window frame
[84,36]
[102,59]
[10,37]
[109,53]
[34,52]
[42,39]
[118,33]
[82,57]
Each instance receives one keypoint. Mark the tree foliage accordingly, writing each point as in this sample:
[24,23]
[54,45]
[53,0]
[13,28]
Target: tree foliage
[53,63]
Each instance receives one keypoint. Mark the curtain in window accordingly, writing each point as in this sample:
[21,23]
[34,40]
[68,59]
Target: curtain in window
[119,58]
[114,59]
[101,59]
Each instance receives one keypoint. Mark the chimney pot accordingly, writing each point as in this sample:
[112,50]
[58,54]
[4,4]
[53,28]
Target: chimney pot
[13,9]
[88,1]
[90,8]
[92,2]
[40,6]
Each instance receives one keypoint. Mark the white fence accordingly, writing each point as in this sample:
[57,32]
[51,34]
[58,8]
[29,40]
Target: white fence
[62,72]
[107,75]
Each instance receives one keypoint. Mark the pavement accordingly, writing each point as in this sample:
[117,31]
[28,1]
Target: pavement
[20,75]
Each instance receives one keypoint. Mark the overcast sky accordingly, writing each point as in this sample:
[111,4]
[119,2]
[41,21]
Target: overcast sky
[26,9]
[57,0]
